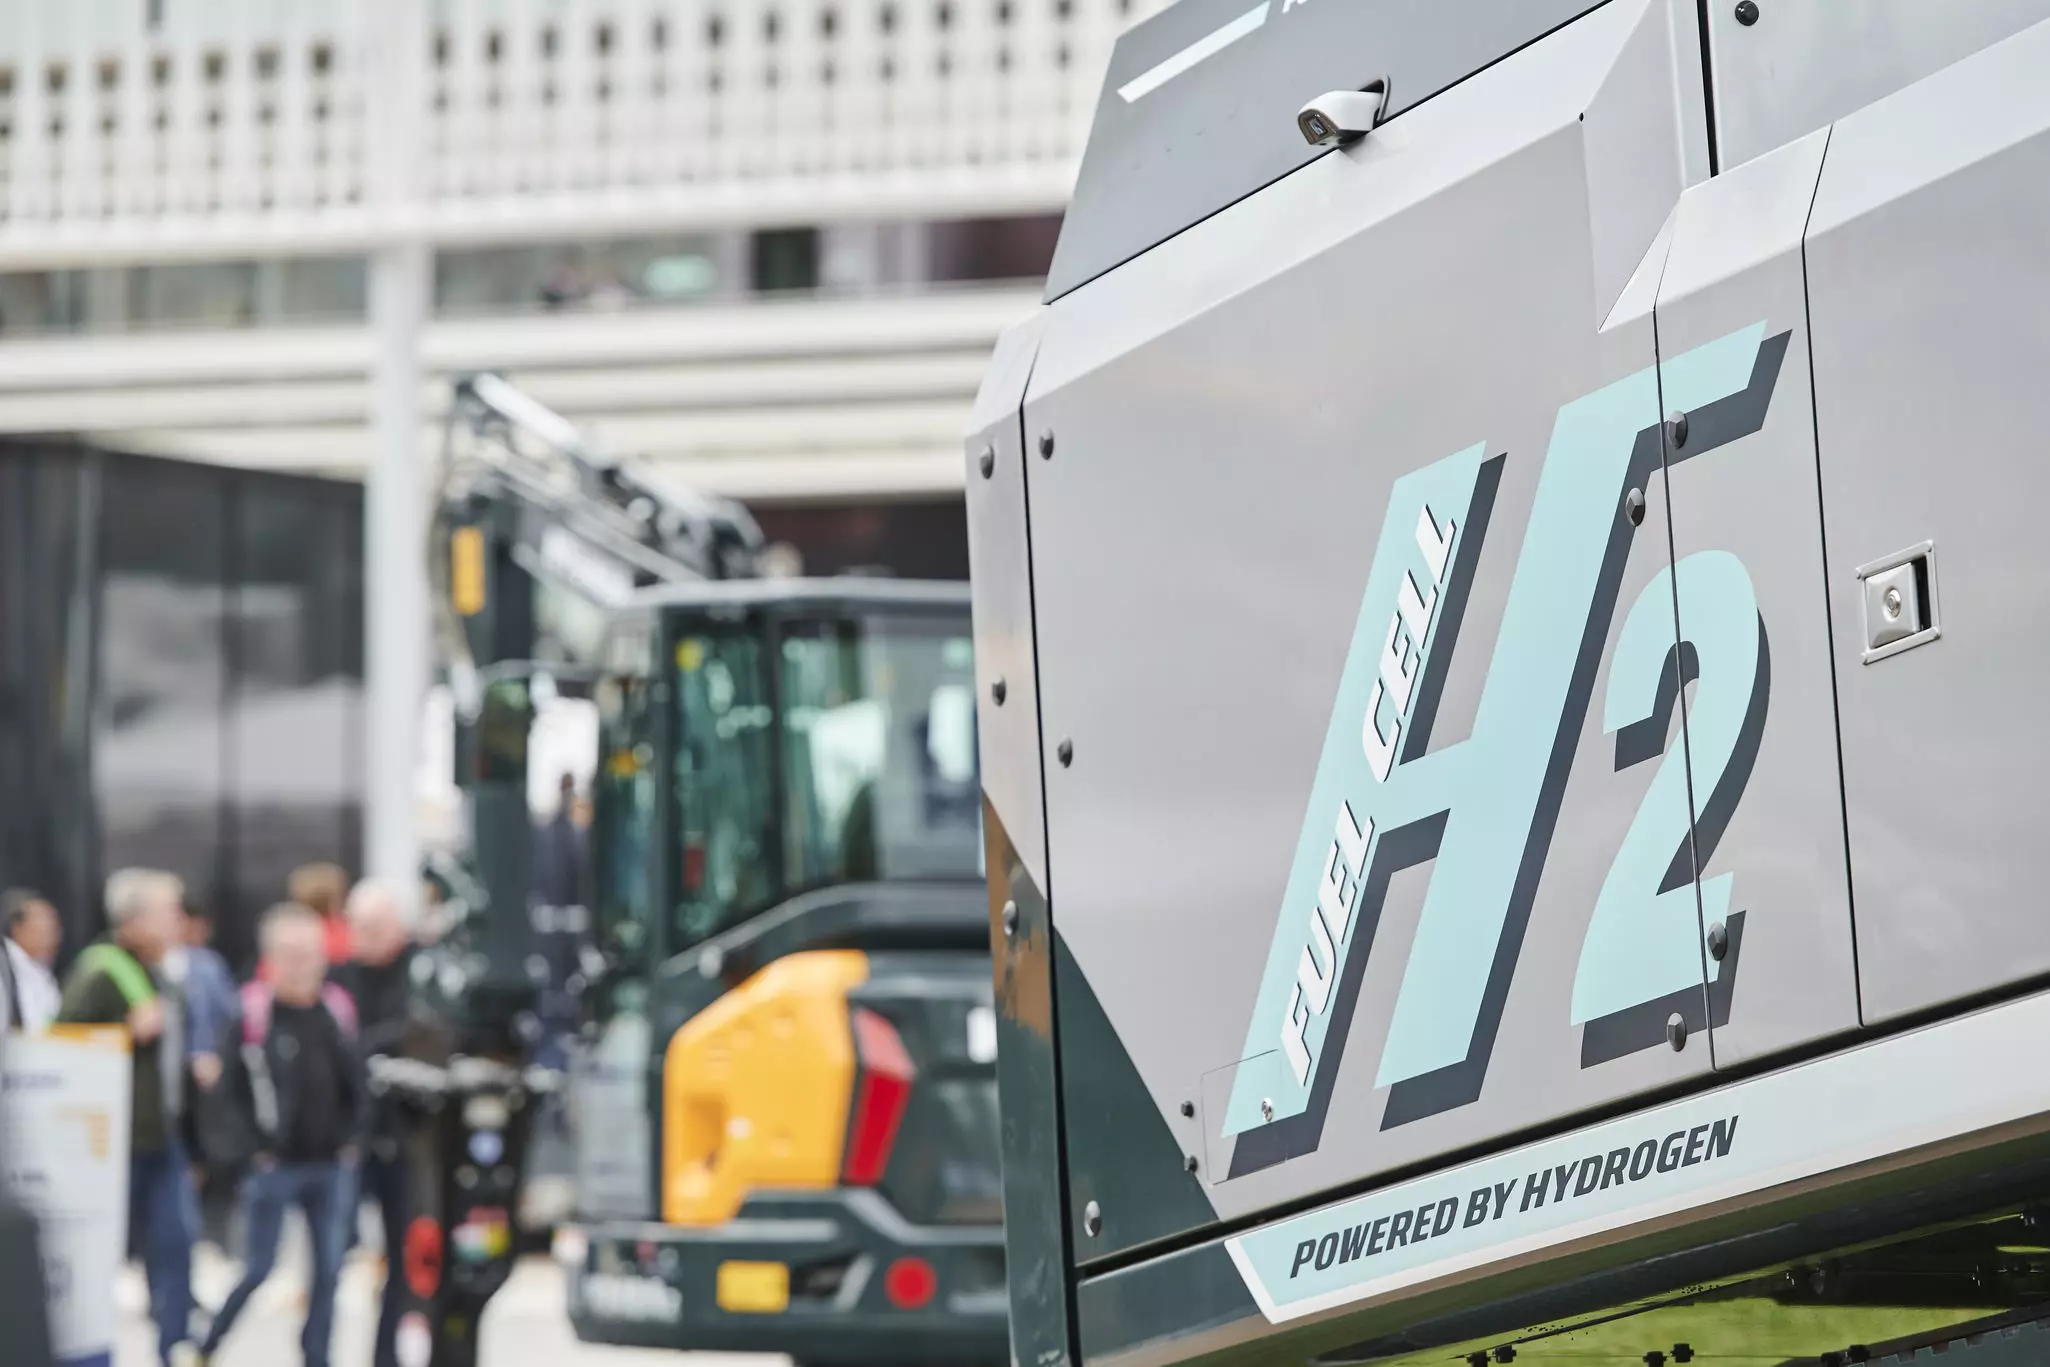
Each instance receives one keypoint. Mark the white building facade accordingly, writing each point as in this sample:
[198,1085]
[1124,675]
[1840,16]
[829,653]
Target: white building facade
[765,243]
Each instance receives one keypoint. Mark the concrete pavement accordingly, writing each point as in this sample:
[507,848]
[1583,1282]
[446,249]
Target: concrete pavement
[525,1325]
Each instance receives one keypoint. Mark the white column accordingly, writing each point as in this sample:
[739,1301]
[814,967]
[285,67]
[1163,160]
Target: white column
[395,627]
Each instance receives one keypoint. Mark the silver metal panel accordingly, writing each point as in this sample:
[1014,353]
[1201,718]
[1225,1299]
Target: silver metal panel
[1230,411]
[1927,275]
[999,561]
[1762,738]
[1689,92]
[1808,62]
[1638,144]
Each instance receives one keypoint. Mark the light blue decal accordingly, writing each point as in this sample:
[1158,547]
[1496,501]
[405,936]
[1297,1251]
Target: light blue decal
[1391,642]
[1497,790]
[1505,760]
[1644,941]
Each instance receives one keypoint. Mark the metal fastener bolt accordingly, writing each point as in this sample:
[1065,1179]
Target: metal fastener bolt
[998,691]
[1066,753]
[1676,428]
[1476,1360]
[1190,1162]
[1092,1219]
[1718,941]
[1266,1109]
[1010,919]
[1506,1353]
[1747,13]
[1633,507]
[1676,1031]
[1188,1109]
[988,461]
[1683,1352]
[1046,444]
[1654,1359]
[1893,604]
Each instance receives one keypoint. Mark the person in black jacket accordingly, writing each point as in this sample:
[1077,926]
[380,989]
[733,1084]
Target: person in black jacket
[298,1084]
[379,980]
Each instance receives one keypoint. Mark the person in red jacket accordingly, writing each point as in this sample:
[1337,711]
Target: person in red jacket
[325,889]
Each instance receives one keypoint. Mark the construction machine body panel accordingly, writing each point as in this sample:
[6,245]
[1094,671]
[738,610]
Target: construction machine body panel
[1926,278]
[1497,824]
[1215,703]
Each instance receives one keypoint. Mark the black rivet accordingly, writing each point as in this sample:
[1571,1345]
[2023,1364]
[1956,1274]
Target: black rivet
[1092,1219]
[1066,752]
[1654,1359]
[998,691]
[1505,1354]
[1010,919]
[1683,1352]
[1718,941]
[1190,1162]
[988,461]
[1046,444]
[1188,1109]
[1633,507]
[1676,429]
[1476,1360]
[1676,1031]
[1747,13]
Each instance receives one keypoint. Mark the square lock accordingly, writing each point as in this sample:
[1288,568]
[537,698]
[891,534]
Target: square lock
[1900,601]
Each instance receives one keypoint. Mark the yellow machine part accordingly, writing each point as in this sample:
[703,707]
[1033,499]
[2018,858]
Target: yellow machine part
[756,1087]
[466,570]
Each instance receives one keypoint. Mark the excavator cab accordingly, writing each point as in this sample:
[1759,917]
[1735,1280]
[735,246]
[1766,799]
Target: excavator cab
[787,1113]
[782,1108]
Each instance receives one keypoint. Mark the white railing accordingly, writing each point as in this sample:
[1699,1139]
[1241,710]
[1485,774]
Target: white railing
[275,127]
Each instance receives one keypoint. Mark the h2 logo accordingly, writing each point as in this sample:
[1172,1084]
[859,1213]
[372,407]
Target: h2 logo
[1486,807]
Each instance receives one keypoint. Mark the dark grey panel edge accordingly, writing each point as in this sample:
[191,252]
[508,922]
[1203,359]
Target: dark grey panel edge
[1224,127]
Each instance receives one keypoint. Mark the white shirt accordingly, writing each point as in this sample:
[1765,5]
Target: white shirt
[40,994]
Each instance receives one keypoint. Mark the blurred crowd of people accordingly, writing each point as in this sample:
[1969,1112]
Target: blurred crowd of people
[249,1098]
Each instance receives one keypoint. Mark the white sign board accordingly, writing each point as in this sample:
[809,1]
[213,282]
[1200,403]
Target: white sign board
[65,1138]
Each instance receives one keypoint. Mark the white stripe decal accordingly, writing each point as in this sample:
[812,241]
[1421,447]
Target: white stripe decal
[1139,87]
[1842,1113]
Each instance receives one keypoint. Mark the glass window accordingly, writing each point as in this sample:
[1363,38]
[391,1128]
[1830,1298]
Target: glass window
[625,797]
[292,708]
[725,781]
[879,750]
[583,275]
[158,749]
[785,259]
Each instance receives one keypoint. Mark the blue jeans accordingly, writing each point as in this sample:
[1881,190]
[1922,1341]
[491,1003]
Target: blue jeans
[160,1207]
[322,1191]
[384,1180]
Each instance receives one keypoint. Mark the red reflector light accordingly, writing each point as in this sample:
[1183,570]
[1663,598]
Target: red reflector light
[911,1283]
[880,1096]
[422,1258]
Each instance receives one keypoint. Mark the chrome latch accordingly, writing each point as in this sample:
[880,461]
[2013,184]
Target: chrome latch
[1900,602]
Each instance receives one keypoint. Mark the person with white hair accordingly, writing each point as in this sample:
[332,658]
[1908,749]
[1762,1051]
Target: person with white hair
[298,1083]
[114,982]
[378,979]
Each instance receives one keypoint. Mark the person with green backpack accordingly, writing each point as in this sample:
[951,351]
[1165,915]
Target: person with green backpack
[114,982]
